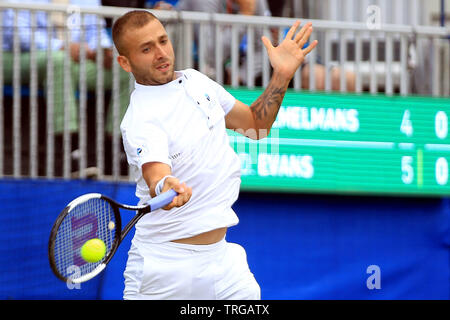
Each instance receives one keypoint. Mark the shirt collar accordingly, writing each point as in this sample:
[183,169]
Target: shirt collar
[174,84]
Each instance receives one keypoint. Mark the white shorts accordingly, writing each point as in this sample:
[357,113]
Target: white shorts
[176,271]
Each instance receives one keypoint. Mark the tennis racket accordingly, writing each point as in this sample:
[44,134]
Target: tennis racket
[90,216]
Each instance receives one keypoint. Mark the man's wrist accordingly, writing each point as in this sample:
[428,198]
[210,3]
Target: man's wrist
[281,78]
[159,186]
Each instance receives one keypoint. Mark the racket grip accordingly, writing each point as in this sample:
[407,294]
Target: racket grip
[162,200]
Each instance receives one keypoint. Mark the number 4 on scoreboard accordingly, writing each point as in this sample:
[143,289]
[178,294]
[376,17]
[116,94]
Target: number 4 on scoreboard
[406,126]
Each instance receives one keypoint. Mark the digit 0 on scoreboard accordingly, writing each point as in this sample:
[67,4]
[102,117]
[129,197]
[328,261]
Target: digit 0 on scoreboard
[441,169]
[441,164]
[353,144]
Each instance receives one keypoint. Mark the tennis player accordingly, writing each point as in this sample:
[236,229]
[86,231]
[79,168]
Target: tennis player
[174,135]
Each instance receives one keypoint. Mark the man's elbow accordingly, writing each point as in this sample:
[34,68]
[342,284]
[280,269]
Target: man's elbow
[263,133]
[256,134]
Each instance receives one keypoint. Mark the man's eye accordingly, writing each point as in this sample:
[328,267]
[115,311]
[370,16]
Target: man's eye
[145,50]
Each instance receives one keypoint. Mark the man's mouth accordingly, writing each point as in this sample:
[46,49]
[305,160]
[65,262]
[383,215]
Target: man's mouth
[163,67]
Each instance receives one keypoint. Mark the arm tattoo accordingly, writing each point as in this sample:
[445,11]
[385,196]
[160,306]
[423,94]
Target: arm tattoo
[266,107]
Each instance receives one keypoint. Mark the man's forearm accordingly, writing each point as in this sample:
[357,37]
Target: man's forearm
[265,108]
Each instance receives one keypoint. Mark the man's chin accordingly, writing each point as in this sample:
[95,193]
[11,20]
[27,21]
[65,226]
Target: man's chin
[166,77]
[156,78]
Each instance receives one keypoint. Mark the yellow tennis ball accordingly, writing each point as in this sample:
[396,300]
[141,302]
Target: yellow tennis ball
[93,250]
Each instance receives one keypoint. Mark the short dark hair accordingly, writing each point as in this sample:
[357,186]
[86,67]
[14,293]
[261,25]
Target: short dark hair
[131,20]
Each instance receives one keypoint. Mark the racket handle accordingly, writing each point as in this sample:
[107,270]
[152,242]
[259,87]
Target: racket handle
[162,200]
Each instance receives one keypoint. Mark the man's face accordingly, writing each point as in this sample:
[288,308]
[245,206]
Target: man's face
[150,54]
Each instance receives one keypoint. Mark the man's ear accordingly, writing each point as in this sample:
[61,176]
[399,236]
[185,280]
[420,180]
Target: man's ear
[124,63]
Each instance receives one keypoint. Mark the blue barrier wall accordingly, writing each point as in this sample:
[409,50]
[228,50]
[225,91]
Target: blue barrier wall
[299,246]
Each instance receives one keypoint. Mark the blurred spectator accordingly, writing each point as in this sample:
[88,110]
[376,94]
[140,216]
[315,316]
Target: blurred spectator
[209,6]
[305,11]
[58,56]
[122,3]
[335,75]
[161,5]
[245,7]
[276,7]
[257,8]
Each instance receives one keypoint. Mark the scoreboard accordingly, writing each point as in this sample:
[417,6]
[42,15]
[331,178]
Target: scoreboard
[349,143]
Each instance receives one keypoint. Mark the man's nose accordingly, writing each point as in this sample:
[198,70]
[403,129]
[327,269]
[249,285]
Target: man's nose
[159,52]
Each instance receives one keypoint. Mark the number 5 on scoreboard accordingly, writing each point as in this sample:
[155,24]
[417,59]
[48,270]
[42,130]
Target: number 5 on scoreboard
[407,169]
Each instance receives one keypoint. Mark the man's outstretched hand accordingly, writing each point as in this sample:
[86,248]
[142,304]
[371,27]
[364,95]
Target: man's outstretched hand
[288,56]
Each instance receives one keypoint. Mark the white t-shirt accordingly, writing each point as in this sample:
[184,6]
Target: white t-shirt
[182,124]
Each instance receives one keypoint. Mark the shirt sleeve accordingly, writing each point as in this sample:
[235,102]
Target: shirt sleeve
[149,144]
[226,100]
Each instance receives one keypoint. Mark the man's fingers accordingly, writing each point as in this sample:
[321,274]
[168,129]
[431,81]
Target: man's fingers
[173,183]
[300,35]
[267,43]
[184,197]
[179,188]
[310,47]
[181,198]
[176,202]
[292,30]
[305,38]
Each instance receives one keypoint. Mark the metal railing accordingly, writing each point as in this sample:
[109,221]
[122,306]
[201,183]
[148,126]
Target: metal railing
[382,60]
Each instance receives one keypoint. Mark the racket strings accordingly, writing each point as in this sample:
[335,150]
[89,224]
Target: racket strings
[93,218]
